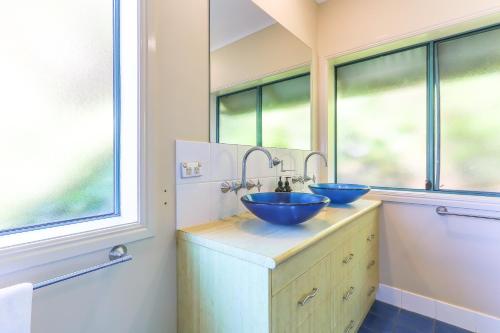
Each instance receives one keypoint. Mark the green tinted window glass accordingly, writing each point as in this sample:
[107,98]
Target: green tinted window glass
[286,114]
[238,118]
[381,120]
[57,111]
[469,73]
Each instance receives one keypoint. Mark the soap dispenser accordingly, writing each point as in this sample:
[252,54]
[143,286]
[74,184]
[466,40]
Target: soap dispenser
[280,187]
[288,188]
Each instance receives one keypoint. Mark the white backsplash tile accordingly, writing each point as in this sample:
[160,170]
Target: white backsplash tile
[292,160]
[193,204]
[257,163]
[200,200]
[222,204]
[223,161]
[191,151]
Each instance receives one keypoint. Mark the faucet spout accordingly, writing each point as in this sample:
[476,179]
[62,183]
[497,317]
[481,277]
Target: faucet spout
[244,163]
[306,177]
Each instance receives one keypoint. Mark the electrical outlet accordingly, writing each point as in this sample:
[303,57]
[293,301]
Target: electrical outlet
[191,169]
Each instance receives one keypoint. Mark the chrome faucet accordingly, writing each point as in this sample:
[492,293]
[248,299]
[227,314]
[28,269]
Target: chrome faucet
[306,178]
[235,186]
[244,183]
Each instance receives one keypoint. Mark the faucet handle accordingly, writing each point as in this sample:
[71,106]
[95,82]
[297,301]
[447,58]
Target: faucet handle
[259,185]
[226,187]
[307,178]
[250,184]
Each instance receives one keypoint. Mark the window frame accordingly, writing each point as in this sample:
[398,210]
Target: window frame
[433,115]
[258,104]
[20,251]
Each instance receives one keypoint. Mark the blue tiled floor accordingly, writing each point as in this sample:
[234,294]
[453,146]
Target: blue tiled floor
[385,318]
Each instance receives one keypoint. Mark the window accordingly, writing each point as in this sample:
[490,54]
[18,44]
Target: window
[61,112]
[276,114]
[469,77]
[422,118]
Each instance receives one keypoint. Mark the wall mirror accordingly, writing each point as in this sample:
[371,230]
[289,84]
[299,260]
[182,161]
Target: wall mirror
[260,87]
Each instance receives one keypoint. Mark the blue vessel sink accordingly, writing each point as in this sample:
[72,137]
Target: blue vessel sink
[340,193]
[284,208]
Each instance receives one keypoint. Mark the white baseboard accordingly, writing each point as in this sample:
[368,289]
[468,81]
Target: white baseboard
[448,313]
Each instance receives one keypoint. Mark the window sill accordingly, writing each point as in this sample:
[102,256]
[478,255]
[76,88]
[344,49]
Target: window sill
[25,250]
[437,199]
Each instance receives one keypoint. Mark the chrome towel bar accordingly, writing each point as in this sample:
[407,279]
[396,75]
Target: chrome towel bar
[441,210]
[117,255]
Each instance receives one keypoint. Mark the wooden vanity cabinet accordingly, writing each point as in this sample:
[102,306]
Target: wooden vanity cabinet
[328,286]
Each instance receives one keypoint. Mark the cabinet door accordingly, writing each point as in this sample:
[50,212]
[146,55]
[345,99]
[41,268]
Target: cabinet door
[304,305]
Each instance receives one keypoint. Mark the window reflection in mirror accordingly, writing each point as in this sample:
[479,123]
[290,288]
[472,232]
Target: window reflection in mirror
[260,79]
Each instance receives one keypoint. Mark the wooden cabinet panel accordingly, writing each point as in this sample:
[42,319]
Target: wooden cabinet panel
[327,286]
[298,264]
[304,304]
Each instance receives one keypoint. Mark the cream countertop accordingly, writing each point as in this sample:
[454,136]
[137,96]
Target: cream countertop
[246,237]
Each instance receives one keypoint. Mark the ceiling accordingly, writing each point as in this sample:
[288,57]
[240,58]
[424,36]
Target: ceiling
[231,20]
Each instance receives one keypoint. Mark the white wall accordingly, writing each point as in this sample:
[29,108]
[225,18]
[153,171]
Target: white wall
[298,16]
[140,296]
[264,53]
[450,259]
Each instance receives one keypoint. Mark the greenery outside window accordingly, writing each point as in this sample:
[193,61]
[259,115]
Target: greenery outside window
[60,129]
[276,114]
[422,118]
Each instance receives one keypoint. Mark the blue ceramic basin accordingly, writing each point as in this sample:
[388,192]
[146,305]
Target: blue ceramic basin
[340,193]
[284,208]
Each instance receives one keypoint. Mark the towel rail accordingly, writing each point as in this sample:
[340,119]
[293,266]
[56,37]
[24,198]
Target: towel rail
[442,210]
[117,255]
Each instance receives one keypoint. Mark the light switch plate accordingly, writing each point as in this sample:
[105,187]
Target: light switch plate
[191,169]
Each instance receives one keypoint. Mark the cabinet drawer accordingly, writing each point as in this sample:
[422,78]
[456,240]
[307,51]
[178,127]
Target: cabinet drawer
[369,263]
[345,300]
[368,294]
[347,256]
[301,262]
[304,305]
[368,231]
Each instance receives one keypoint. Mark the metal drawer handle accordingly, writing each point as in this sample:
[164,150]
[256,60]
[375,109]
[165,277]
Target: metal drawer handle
[348,294]
[348,258]
[370,265]
[370,238]
[372,290]
[349,327]
[308,297]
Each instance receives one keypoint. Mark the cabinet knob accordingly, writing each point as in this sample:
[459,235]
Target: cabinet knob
[348,258]
[370,238]
[372,290]
[348,294]
[349,327]
[308,297]
[370,265]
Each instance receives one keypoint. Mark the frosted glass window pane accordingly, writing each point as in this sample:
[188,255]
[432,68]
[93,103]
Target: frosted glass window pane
[286,114]
[56,109]
[381,120]
[238,118]
[469,72]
